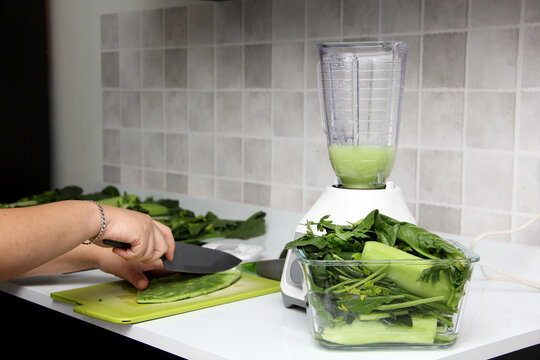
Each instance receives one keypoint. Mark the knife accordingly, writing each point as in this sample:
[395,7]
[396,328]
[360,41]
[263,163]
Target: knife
[191,258]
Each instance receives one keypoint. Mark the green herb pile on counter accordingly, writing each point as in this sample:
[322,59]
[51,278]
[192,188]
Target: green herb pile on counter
[185,224]
[366,302]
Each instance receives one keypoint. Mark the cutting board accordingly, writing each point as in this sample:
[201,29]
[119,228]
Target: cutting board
[116,302]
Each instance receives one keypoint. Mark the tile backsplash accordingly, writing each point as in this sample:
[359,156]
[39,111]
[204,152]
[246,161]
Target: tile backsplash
[220,100]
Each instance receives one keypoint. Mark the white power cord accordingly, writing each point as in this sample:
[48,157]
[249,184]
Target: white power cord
[507,276]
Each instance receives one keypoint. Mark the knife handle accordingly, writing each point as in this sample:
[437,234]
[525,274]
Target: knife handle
[117,244]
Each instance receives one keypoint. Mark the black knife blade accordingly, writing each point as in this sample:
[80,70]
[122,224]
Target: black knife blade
[192,258]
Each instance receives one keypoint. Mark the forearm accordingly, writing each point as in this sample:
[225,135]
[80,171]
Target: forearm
[80,258]
[33,236]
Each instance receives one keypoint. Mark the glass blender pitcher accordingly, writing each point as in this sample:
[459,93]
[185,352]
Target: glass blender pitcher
[361,85]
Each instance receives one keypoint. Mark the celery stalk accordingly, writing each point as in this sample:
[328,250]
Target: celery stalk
[406,274]
[361,332]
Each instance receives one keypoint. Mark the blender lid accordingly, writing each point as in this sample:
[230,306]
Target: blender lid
[371,50]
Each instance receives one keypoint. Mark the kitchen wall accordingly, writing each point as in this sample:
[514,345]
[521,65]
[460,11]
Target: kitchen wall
[220,100]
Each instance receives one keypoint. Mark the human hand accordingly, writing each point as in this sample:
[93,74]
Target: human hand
[149,239]
[134,272]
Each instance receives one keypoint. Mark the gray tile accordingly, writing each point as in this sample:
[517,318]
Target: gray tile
[530,75]
[152,109]
[228,190]
[229,112]
[176,183]
[152,179]
[153,150]
[440,176]
[175,28]
[476,222]
[481,168]
[490,120]
[151,28]
[256,194]
[360,17]
[201,186]
[412,65]
[288,114]
[152,69]
[444,60]
[111,146]
[229,156]
[128,30]
[323,18]
[175,68]
[109,31]
[110,101]
[257,159]
[201,68]
[201,24]
[176,111]
[400,15]
[201,153]
[528,124]
[201,111]
[311,60]
[257,20]
[314,121]
[492,56]
[528,184]
[131,177]
[529,235]
[288,19]
[257,113]
[111,174]
[439,218]
[495,12]
[532,11]
[286,198]
[287,161]
[442,119]
[229,22]
[408,127]
[229,67]
[130,109]
[319,172]
[176,152]
[110,72]
[131,147]
[130,69]
[445,15]
[288,59]
[258,66]
[404,172]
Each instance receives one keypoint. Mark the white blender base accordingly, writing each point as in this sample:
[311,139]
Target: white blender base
[343,206]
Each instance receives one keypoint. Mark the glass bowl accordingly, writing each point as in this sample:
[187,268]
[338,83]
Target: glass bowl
[355,304]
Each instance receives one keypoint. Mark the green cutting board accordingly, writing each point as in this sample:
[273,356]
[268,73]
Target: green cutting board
[116,302]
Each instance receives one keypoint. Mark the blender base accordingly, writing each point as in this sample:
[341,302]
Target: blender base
[350,205]
[343,206]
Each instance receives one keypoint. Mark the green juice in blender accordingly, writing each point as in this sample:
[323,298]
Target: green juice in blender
[362,167]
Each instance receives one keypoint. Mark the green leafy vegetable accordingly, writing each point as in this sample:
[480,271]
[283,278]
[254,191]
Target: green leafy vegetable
[380,280]
[186,225]
[179,286]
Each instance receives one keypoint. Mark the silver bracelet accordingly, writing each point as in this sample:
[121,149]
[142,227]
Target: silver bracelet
[103,224]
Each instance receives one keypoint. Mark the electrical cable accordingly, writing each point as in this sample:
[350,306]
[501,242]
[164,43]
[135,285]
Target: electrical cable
[507,276]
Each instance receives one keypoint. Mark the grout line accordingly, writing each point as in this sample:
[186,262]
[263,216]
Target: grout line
[419,116]
[465,119]
[517,116]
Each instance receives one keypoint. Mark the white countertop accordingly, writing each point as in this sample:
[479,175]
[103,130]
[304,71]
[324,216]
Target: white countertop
[499,317]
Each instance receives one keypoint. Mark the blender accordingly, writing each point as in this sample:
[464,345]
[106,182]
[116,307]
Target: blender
[360,87]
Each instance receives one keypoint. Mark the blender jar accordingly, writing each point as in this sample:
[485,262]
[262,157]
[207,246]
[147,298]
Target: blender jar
[361,85]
